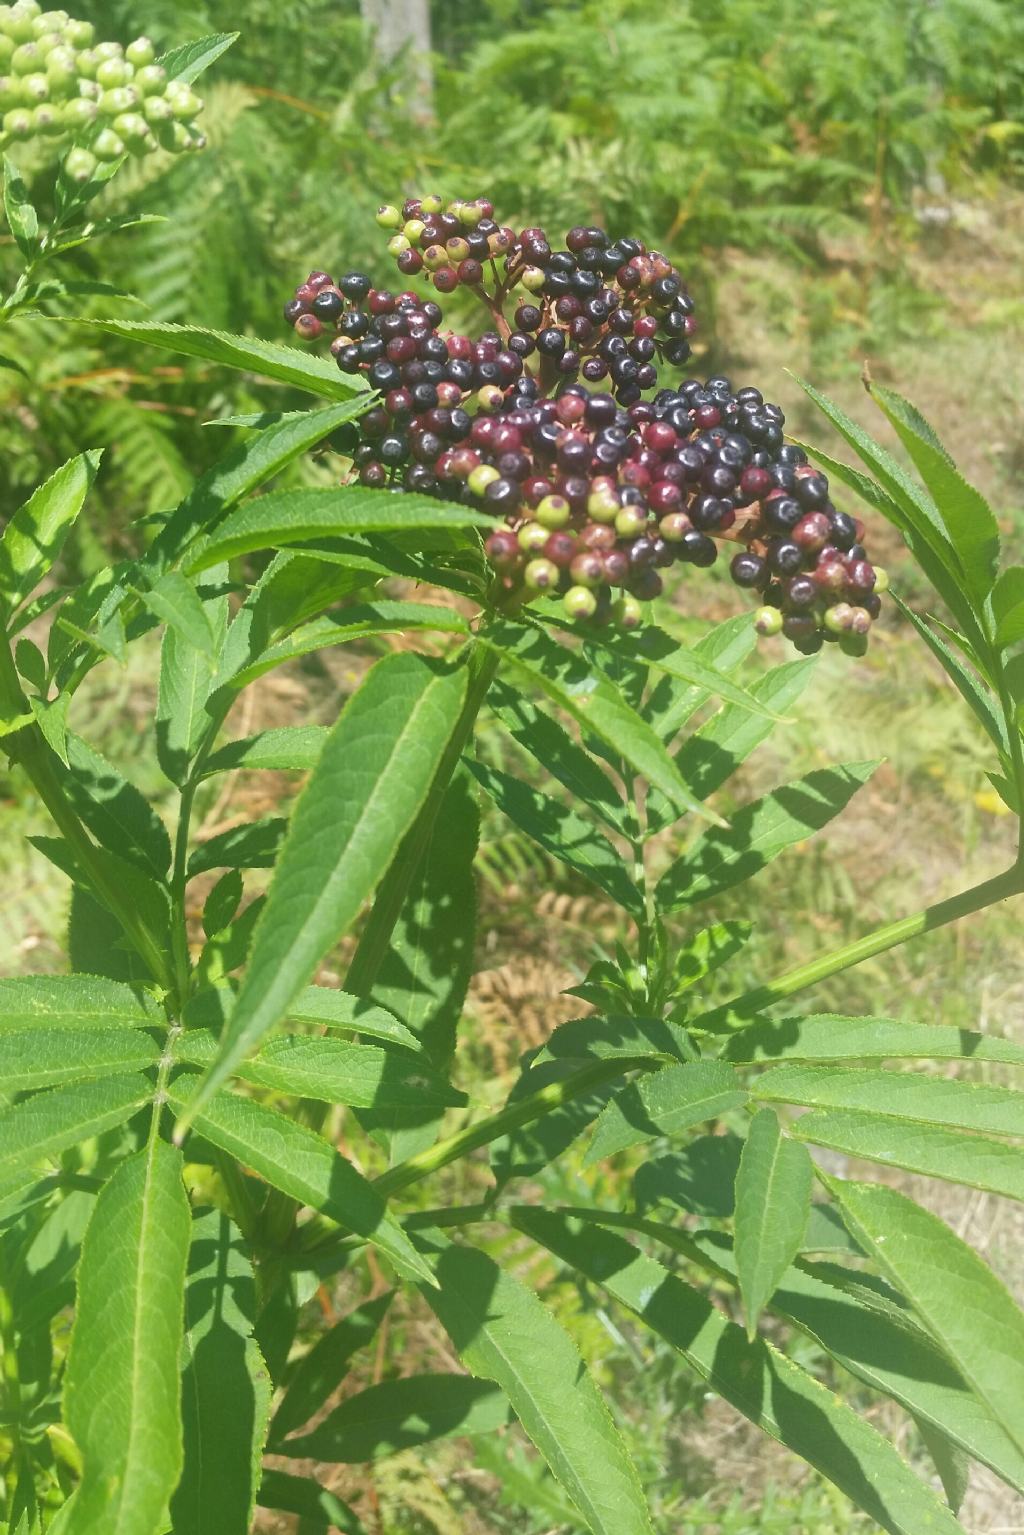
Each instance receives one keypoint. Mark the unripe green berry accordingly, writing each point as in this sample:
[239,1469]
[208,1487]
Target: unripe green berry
[110,73]
[123,98]
[431,203]
[489,398]
[79,34]
[553,511]
[768,621]
[27,60]
[852,644]
[185,104]
[79,114]
[397,244]
[413,229]
[108,51]
[603,505]
[35,89]
[837,618]
[80,165]
[578,602]
[10,93]
[132,127]
[87,64]
[533,279]
[628,613]
[18,123]
[468,213]
[61,72]
[541,575]
[156,110]
[19,26]
[47,120]
[533,537]
[6,50]
[388,217]
[107,146]
[881,580]
[630,522]
[50,22]
[140,53]
[482,476]
[151,80]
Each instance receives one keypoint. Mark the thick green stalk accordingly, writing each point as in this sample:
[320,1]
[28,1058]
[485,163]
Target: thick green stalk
[319,1233]
[28,747]
[741,1009]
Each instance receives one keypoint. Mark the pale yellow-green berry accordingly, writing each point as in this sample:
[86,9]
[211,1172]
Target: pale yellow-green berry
[185,104]
[110,73]
[18,123]
[89,89]
[79,114]
[50,22]
[151,79]
[140,53]
[87,64]
[34,89]
[108,51]
[79,34]
[156,110]
[80,165]
[124,98]
[6,50]
[61,72]
[107,145]
[48,120]
[132,127]
[27,59]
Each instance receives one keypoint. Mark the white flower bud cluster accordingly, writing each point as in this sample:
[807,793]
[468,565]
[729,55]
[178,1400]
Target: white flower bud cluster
[58,84]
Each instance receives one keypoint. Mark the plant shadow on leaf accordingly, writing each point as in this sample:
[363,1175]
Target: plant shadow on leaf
[699,1178]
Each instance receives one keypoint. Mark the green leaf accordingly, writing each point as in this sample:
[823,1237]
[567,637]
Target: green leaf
[764,1385]
[118,815]
[672,701]
[175,602]
[43,1126]
[671,1100]
[979,1161]
[291,516]
[952,1465]
[267,359]
[504,1333]
[958,1299]
[189,60]
[398,1414]
[652,647]
[966,515]
[225,1389]
[706,951]
[148,896]
[1008,606]
[557,753]
[593,702]
[319,1372]
[724,857]
[290,748]
[562,833]
[122,1387]
[338,1010]
[318,1509]
[74,1002]
[182,717]
[773,1203]
[302,1165]
[352,623]
[254,846]
[372,777]
[875,1341]
[52,719]
[831,1037]
[424,976]
[245,467]
[35,534]
[22,219]
[605,1038]
[700,1177]
[222,903]
[332,1071]
[904,504]
[40,1057]
[978,697]
[905,1095]
[712,754]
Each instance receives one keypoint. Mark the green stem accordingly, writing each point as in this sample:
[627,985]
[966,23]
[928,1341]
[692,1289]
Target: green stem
[1016,747]
[28,747]
[741,1009]
[318,1233]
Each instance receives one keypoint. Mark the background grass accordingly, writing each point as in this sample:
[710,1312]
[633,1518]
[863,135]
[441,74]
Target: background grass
[842,185]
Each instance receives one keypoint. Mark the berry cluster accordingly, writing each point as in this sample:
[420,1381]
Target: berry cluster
[597,490]
[57,85]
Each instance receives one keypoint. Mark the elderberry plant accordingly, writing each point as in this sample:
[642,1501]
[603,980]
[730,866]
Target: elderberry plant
[171,1171]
